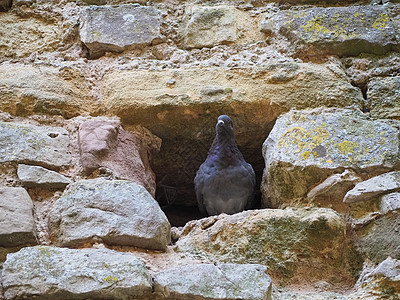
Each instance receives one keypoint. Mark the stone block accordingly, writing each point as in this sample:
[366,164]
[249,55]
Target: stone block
[307,146]
[118,28]
[35,176]
[17,226]
[116,212]
[383,96]
[43,145]
[59,273]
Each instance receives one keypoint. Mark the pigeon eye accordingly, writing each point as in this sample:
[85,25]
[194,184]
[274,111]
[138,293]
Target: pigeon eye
[221,122]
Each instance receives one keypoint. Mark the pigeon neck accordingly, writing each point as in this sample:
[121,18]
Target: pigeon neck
[225,146]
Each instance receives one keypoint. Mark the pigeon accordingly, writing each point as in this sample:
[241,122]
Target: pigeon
[224,182]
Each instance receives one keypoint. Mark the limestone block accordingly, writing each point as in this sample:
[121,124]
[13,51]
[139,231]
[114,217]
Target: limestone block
[26,90]
[210,26]
[375,186]
[384,97]
[21,37]
[104,143]
[118,28]
[287,241]
[208,281]
[307,146]
[17,226]
[61,273]
[43,145]
[342,31]
[5,5]
[184,115]
[389,202]
[35,176]
[117,212]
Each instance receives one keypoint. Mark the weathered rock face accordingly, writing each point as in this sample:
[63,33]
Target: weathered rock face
[50,272]
[210,26]
[115,29]
[104,143]
[35,176]
[17,226]
[186,112]
[43,145]
[288,241]
[383,95]
[338,30]
[208,281]
[26,90]
[116,212]
[24,36]
[305,147]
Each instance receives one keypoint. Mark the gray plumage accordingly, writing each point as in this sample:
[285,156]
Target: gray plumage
[224,182]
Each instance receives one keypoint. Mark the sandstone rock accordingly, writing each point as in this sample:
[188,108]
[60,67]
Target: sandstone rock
[305,147]
[61,273]
[389,202]
[381,283]
[26,90]
[42,145]
[208,281]
[288,241]
[375,186]
[186,113]
[35,176]
[115,212]
[5,5]
[210,26]
[21,36]
[383,97]
[17,226]
[342,31]
[115,29]
[380,238]
[333,188]
[104,143]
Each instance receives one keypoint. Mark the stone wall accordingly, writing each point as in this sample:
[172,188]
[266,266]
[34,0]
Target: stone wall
[108,108]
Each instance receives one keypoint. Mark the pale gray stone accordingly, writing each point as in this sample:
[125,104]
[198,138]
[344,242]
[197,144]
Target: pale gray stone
[36,176]
[383,96]
[210,26]
[61,273]
[118,28]
[209,281]
[307,146]
[117,212]
[390,202]
[42,145]
[375,186]
[349,30]
[17,226]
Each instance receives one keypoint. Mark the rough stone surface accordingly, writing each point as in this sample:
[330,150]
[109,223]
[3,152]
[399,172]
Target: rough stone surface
[210,26]
[26,90]
[115,29]
[35,176]
[104,143]
[60,273]
[20,37]
[307,146]
[338,30]
[262,237]
[17,226]
[209,281]
[42,145]
[375,186]
[333,188]
[185,113]
[117,212]
[384,97]
[390,202]
[380,238]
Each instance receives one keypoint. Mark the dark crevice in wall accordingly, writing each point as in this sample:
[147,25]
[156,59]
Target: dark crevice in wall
[366,107]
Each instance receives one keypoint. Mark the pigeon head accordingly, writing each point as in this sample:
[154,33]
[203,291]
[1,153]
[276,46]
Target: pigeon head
[224,126]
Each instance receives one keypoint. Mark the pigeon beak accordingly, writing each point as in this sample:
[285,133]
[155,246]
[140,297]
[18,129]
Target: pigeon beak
[220,122]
